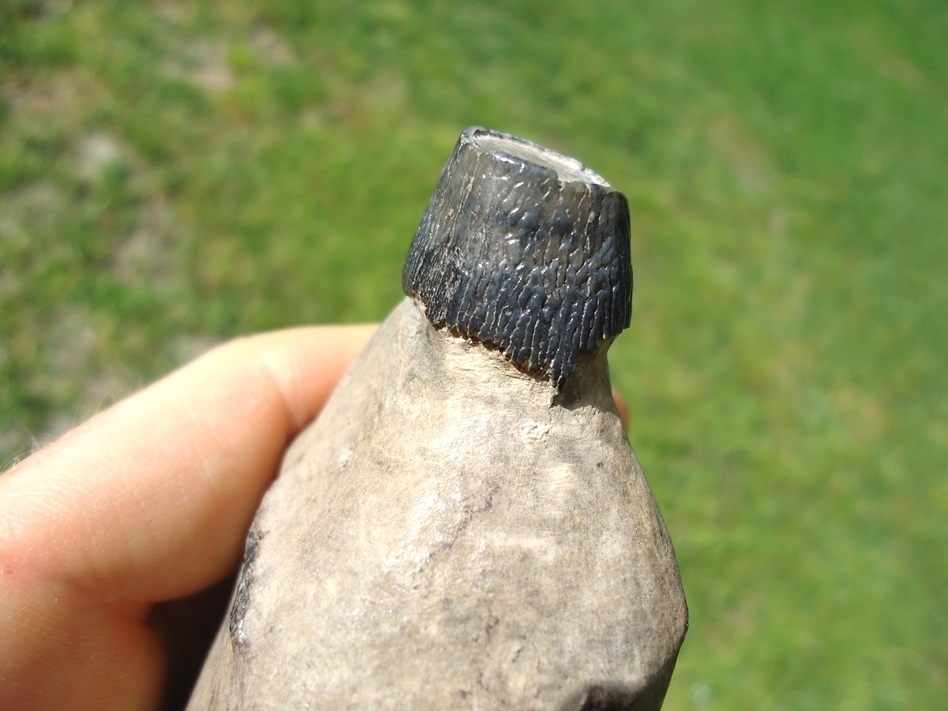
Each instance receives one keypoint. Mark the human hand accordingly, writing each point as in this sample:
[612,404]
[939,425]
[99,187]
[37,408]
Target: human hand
[146,502]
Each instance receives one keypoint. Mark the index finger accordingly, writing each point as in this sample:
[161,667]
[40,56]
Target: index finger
[150,499]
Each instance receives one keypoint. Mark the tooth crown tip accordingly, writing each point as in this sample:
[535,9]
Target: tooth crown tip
[526,250]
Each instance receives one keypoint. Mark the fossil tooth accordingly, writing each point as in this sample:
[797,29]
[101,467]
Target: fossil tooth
[445,535]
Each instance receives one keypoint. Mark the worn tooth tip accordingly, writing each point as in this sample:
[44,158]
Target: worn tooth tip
[524,249]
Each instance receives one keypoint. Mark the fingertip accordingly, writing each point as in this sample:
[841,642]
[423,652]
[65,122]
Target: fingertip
[622,408]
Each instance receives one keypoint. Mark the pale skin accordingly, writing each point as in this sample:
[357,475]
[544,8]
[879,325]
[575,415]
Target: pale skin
[146,502]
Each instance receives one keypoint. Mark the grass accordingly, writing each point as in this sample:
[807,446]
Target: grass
[174,174]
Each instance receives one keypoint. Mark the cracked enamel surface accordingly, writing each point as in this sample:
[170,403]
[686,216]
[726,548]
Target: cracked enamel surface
[525,250]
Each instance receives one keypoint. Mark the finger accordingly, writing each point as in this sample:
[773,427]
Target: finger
[150,499]
[60,649]
[622,407]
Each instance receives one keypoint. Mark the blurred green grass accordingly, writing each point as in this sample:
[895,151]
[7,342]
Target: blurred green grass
[173,174]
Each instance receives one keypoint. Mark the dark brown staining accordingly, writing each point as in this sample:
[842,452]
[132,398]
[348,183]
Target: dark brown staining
[527,254]
[242,597]
[608,697]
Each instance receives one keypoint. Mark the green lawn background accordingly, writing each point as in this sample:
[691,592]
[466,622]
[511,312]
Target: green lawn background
[173,174]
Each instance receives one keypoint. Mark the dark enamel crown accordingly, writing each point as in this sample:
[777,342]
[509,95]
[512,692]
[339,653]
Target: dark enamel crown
[526,250]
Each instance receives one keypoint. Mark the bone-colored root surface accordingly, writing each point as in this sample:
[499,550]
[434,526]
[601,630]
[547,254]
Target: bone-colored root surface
[442,537]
